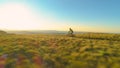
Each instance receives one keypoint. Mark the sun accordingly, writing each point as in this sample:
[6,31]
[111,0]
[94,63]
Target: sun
[17,16]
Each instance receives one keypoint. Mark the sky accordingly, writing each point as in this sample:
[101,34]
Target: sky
[80,15]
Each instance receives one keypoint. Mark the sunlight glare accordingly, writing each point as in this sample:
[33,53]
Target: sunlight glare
[17,16]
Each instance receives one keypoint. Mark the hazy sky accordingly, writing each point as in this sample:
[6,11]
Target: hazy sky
[81,15]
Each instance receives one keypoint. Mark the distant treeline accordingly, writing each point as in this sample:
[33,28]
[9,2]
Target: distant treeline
[100,36]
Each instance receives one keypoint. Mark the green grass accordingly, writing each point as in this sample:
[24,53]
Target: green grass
[89,50]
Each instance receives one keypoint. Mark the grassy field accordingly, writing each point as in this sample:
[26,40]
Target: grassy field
[88,50]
